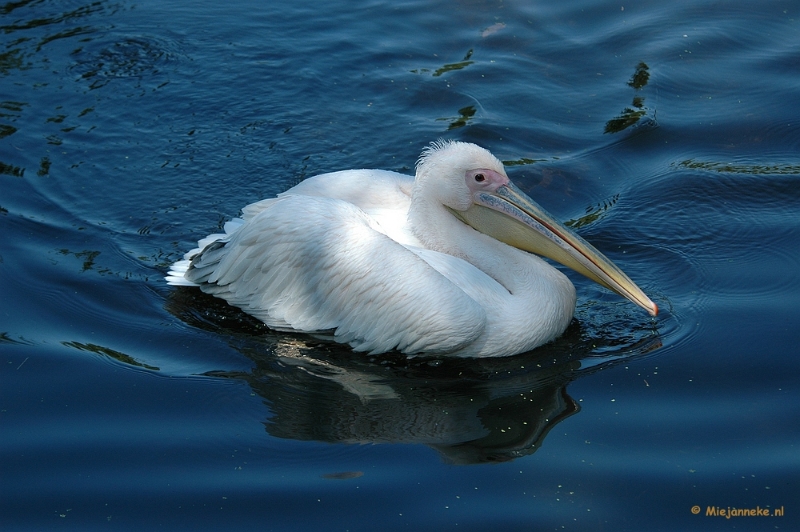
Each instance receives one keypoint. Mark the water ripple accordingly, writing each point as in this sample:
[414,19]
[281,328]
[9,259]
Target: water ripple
[145,58]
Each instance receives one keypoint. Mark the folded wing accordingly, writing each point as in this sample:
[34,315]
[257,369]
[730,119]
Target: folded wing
[321,265]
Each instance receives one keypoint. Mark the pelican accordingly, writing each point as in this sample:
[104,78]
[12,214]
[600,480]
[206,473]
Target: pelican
[443,263]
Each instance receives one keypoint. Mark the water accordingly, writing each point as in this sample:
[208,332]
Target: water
[667,134]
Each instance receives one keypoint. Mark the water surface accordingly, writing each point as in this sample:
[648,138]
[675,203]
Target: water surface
[666,134]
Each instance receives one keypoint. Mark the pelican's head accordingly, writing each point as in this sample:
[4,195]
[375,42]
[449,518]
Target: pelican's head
[472,183]
[445,166]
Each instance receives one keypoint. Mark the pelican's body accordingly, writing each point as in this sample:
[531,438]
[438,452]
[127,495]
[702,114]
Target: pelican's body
[382,261]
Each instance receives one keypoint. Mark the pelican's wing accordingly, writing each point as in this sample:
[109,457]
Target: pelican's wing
[384,196]
[373,191]
[315,264]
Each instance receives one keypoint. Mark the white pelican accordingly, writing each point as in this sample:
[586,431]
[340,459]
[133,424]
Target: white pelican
[440,263]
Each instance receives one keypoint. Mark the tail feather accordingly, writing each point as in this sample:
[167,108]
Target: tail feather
[177,272]
[203,265]
[198,264]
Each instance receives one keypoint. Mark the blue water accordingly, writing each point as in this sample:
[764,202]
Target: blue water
[666,133]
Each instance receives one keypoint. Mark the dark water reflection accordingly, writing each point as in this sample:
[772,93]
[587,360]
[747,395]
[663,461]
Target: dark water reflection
[470,411]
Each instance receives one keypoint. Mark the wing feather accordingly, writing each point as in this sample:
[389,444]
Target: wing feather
[317,264]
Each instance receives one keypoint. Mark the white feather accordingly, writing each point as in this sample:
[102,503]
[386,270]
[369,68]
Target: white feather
[337,255]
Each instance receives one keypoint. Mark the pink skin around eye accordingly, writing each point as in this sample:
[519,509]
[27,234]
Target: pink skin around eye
[484,180]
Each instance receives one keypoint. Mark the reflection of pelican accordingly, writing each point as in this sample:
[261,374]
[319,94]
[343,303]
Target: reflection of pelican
[470,411]
[382,261]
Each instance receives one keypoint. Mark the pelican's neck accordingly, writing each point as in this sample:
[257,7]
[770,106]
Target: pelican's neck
[439,230]
[537,302]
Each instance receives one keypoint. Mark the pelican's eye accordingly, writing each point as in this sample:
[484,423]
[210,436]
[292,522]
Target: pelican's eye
[480,178]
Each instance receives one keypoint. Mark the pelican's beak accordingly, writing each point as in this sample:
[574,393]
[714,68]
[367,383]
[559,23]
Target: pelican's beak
[510,216]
